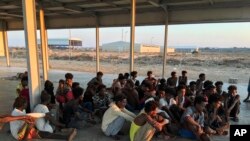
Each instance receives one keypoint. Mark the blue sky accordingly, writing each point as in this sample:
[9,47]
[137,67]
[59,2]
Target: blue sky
[196,35]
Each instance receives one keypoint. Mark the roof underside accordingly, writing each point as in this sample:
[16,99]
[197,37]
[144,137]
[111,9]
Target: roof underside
[110,13]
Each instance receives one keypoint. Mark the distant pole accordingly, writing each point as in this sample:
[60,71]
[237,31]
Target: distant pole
[132,34]
[165,46]
[97,50]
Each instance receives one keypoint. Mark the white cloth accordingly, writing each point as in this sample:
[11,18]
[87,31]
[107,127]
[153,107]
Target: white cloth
[114,112]
[41,123]
[163,102]
[16,125]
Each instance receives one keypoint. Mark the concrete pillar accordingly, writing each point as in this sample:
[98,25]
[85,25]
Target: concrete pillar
[30,27]
[165,46]
[4,42]
[97,50]
[132,35]
[43,44]
[46,49]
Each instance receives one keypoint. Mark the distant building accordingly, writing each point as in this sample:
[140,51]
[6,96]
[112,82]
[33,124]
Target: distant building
[121,46]
[64,43]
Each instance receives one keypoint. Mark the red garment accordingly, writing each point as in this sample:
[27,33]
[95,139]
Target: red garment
[25,93]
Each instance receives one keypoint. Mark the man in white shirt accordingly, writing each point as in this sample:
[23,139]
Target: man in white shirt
[115,116]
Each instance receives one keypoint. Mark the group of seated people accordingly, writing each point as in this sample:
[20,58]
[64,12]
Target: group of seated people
[166,108]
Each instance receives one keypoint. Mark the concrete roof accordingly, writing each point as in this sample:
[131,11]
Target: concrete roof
[109,13]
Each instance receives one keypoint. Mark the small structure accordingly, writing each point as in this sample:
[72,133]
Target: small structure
[233,81]
[121,46]
[64,43]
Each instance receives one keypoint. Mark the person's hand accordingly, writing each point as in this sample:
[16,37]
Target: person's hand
[29,119]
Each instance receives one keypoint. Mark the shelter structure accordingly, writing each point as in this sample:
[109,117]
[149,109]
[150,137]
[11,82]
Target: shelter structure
[57,14]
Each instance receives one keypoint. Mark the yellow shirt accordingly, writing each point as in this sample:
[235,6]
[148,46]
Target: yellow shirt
[133,129]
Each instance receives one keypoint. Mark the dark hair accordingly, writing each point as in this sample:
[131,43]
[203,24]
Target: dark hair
[201,75]
[180,87]
[45,97]
[209,87]
[75,84]
[163,81]
[24,81]
[183,72]
[130,83]
[232,87]
[99,73]
[218,83]
[199,100]
[126,75]
[121,77]
[149,72]
[173,73]
[119,97]
[101,87]
[77,92]
[207,83]
[192,83]
[61,81]
[133,73]
[214,98]
[48,84]
[69,76]
[150,106]
[19,102]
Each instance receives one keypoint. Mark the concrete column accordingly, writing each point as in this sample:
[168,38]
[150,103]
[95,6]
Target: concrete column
[46,49]
[4,42]
[132,35]
[30,27]
[43,44]
[165,46]
[97,50]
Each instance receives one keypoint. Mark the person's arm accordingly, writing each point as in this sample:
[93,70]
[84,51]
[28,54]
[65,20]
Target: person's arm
[153,122]
[8,118]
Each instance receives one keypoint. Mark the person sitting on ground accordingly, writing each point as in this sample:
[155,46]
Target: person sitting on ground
[68,86]
[219,90]
[8,118]
[26,131]
[183,78]
[43,124]
[115,116]
[248,90]
[71,113]
[118,85]
[144,125]
[150,78]
[191,92]
[132,96]
[19,87]
[173,79]
[133,75]
[126,76]
[199,83]
[49,88]
[233,103]
[25,93]
[192,121]
[97,79]
[162,85]
[216,119]
[61,94]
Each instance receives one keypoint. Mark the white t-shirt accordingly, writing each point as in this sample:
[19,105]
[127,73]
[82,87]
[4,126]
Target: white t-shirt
[163,102]
[16,125]
[41,123]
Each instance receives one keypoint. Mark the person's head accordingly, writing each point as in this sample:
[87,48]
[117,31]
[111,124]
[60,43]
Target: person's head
[120,100]
[192,85]
[78,93]
[122,79]
[199,103]
[61,83]
[210,89]
[232,89]
[181,90]
[202,76]
[20,103]
[173,74]
[162,93]
[151,108]
[48,86]
[24,81]
[184,73]
[215,100]
[99,75]
[219,85]
[126,75]
[163,81]
[101,90]
[133,74]
[45,98]
[207,83]
[150,74]
[69,78]
[75,84]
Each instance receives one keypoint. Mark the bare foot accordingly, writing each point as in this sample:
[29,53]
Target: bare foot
[72,135]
